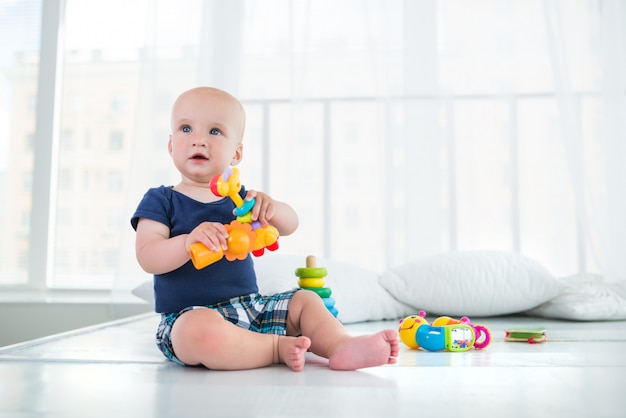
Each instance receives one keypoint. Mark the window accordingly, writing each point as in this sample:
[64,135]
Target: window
[397,129]
[116,141]
[114,182]
[117,104]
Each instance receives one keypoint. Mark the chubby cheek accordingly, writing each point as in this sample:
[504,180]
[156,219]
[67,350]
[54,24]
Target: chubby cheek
[178,157]
[177,150]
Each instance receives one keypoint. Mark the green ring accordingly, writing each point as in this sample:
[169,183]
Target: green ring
[323,292]
[311,272]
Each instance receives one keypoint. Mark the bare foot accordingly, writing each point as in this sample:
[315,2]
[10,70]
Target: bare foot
[292,351]
[367,351]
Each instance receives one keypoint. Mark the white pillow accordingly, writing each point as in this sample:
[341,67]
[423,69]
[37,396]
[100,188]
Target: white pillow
[472,283]
[145,291]
[357,292]
[586,298]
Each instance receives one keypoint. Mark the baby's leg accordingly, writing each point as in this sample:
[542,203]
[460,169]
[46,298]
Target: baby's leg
[202,336]
[366,351]
[330,339]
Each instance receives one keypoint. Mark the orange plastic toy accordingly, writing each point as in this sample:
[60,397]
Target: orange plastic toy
[244,235]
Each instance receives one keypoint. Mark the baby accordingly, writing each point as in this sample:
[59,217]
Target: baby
[215,316]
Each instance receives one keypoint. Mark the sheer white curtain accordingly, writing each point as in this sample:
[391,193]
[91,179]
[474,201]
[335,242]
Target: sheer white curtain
[400,129]
[610,214]
[597,168]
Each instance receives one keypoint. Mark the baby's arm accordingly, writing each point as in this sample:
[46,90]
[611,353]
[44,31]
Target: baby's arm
[269,211]
[157,253]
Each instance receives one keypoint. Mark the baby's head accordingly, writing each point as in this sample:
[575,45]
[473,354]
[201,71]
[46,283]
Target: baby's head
[207,131]
[212,104]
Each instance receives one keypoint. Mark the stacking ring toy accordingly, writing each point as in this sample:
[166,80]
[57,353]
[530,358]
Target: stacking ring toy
[313,282]
[311,272]
[311,277]
[322,292]
[329,302]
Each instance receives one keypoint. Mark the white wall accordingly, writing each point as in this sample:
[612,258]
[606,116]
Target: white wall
[22,321]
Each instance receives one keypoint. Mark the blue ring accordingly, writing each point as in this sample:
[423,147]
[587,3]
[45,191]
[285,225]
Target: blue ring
[245,208]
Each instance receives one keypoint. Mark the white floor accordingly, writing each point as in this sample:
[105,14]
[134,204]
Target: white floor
[115,370]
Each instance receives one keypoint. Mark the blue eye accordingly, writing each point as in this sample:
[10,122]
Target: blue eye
[186,129]
[215,131]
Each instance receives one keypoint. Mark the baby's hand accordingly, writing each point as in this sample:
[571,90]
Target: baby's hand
[264,208]
[211,234]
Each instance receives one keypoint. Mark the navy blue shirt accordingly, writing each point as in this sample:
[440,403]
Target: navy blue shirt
[187,286]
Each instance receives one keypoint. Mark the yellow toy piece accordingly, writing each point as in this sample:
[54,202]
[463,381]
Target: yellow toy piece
[229,187]
[446,320]
[408,330]
[311,282]
[245,219]
[266,237]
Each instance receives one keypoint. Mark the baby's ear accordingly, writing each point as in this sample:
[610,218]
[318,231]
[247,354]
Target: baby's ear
[169,145]
[238,155]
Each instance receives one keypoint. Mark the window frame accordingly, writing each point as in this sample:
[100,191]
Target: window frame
[46,143]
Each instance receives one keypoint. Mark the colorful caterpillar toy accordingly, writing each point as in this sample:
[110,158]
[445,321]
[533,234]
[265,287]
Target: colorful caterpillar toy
[445,333]
[311,277]
[244,235]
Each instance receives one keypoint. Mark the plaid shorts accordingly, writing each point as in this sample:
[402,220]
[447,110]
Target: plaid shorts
[264,314]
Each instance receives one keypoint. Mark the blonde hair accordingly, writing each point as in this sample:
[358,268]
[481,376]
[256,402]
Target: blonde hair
[215,91]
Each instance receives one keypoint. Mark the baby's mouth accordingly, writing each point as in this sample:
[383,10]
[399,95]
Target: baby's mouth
[199,157]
